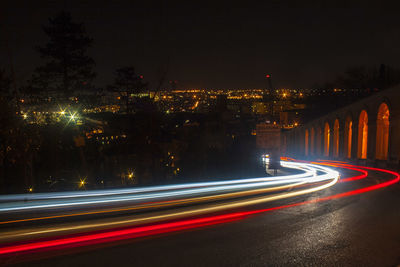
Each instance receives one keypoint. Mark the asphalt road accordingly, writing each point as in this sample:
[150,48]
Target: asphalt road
[359,230]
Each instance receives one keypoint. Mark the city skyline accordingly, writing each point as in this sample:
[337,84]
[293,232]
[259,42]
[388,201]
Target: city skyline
[218,46]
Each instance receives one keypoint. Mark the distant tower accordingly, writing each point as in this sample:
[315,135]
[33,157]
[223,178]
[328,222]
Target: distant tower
[270,88]
[269,96]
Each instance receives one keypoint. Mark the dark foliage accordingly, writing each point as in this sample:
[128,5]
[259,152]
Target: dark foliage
[67,65]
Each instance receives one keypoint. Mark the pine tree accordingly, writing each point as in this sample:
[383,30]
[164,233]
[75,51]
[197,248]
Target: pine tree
[67,65]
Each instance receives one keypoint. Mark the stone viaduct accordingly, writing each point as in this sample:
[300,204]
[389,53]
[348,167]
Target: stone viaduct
[367,131]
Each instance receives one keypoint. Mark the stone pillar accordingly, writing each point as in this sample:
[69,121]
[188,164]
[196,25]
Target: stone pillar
[371,146]
[319,142]
[331,131]
[354,140]
[299,143]
[342,149]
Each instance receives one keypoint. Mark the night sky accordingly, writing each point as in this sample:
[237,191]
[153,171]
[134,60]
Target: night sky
[210,45]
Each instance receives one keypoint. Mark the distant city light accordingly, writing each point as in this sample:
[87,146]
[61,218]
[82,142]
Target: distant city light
[82,183]
[73,116]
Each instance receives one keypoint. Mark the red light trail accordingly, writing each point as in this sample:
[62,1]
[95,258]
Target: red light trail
[141,231]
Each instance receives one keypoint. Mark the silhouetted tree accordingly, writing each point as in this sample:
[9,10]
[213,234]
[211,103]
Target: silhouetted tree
[18,146]
[126,83]
[67,66]
[355,83]
[369,79]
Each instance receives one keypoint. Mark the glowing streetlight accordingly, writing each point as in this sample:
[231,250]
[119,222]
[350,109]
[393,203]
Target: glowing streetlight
[73,116]
[82,182]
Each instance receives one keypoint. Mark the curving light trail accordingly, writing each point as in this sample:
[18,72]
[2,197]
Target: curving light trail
[51,200]
[307,171]
[322,177]
[313,178]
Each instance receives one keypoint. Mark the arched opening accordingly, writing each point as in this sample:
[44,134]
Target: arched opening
[336,138]
[382,132]
[362,135]
[312,141]
[348,135]
[319,141]
[326,139]
[306,143]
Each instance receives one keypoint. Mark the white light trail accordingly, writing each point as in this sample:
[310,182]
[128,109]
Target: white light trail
[158,193]
[328,175]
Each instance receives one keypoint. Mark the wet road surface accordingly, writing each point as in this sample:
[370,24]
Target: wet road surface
[359,230]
